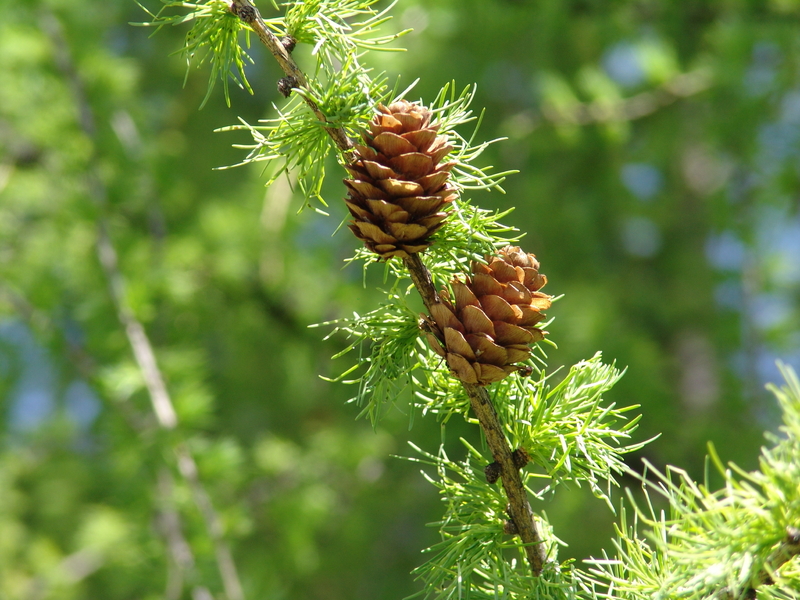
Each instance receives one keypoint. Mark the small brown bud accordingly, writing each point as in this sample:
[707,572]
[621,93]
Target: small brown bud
[525,370]
[286,84]
[289,42]
[792,536]
[521,457]
[492,472]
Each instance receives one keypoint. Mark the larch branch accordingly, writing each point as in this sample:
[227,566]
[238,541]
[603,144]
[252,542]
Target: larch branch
[519,506]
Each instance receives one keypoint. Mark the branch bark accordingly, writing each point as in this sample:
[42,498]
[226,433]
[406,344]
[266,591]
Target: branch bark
[422,280]
[519,506]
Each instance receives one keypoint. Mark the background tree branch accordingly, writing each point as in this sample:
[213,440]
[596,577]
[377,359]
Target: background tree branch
[139,342]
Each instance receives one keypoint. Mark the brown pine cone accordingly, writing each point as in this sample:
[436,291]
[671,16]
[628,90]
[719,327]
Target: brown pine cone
[399,191]
[490,323]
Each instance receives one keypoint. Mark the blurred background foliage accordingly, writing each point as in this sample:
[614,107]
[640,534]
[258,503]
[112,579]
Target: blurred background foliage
[658,145]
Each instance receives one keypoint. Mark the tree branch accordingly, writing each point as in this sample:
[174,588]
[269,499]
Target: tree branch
[422,280]
[519,507]
[169,522]
[137,337]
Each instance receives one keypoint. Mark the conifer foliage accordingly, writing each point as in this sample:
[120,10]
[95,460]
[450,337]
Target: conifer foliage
[408,167]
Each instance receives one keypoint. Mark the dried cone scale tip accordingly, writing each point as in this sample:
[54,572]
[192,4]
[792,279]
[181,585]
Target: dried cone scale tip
[399,190]
[488,324]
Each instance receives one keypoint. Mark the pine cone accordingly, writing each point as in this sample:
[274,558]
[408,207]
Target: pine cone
[399,188]
[489,325]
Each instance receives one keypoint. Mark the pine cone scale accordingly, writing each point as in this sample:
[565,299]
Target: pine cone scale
[509,334]
[476,321]
[516,293]
[413,165]
[400,188]
[490,373]
[484,285]
[457,343]
[530,316]
[365,152]
[444,318]
[381,125]
[434,181]
[357,210]
[497,308]
[541,302]
[391,145]
[363,189]
[464,296]
[440,152]
[373,231]
[406,232]
[376,170]
[420,206]
[462,368]
[488,351]
[413,120]
[516,355]
[422,139]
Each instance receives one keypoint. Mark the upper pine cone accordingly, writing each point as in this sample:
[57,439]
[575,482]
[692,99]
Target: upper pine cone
[490,322]
[399,188]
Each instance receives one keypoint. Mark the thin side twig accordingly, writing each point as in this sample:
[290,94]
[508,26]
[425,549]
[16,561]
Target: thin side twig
[169,522]
[635,107]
